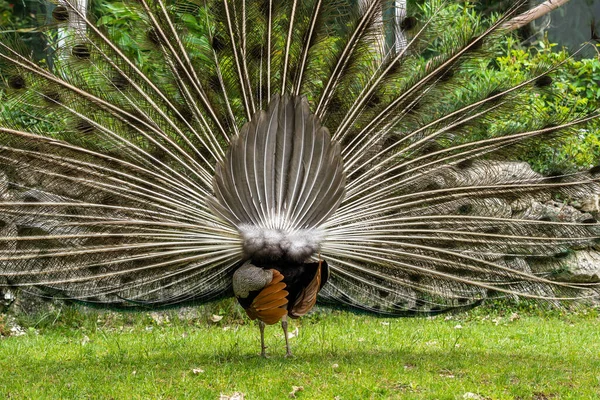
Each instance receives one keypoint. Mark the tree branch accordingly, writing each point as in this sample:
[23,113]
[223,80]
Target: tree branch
[523,19]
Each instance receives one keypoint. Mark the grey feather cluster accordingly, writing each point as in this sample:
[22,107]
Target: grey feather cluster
[278,244]
[280,180]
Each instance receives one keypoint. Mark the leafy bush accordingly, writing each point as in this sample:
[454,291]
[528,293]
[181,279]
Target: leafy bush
[575,91]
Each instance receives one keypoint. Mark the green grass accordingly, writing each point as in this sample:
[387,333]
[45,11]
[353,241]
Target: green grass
[535,355]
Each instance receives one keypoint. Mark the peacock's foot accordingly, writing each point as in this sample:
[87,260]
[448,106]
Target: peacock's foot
[263,353]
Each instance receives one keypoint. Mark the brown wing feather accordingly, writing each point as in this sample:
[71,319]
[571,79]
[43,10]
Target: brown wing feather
[308,297]
[268,305]
[277,277]
[272,316]
[270,291]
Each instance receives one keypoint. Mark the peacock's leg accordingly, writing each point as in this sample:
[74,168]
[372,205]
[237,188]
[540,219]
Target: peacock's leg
[261,326]
[284,325]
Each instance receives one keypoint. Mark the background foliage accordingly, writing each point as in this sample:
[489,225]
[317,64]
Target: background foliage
[576,88]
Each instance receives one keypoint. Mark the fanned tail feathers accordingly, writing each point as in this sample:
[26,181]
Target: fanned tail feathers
[145,174]
[281,179]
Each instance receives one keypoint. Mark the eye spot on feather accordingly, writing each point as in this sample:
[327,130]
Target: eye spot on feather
[408,23]
[561,255]
[555,176]
[589,220]
[495,96]
[430,147]
[264,8]
[153,37]
[475,44]
[218,43]
[421,227]
[391,141]
[494,65]
[60,14]
[595,170]
[72,211]
[159,153]
[445,74]
[16,82]
[447,244]
[414,108]
[214,82]
[400,305]
[81,52]
[394,68]
[181,70]
[465,209]
[110,199]
[94,269]
[31,231]
[185,113]
[431,187]
[373,101]
[263,90]
[119,82]
[492,230]
[293,71]
[84,127]
[51,97]
[335,104]
[543,81]
[136,119]
[464,164]
[256,52]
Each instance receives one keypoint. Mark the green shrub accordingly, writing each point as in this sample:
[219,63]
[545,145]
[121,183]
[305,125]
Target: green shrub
[576,91]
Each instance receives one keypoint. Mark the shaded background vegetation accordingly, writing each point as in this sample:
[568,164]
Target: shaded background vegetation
[577,82]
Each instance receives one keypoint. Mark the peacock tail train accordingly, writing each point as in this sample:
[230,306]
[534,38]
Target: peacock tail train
[144,175]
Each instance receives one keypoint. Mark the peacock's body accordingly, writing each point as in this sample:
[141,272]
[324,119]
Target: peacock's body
[273,150]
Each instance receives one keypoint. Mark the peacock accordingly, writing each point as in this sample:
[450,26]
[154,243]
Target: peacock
[281,152]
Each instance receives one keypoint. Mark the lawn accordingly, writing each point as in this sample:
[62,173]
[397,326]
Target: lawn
[487,353]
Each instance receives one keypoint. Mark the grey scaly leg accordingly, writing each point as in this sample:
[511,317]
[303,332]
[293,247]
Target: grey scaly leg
[261,326]
[284,325]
